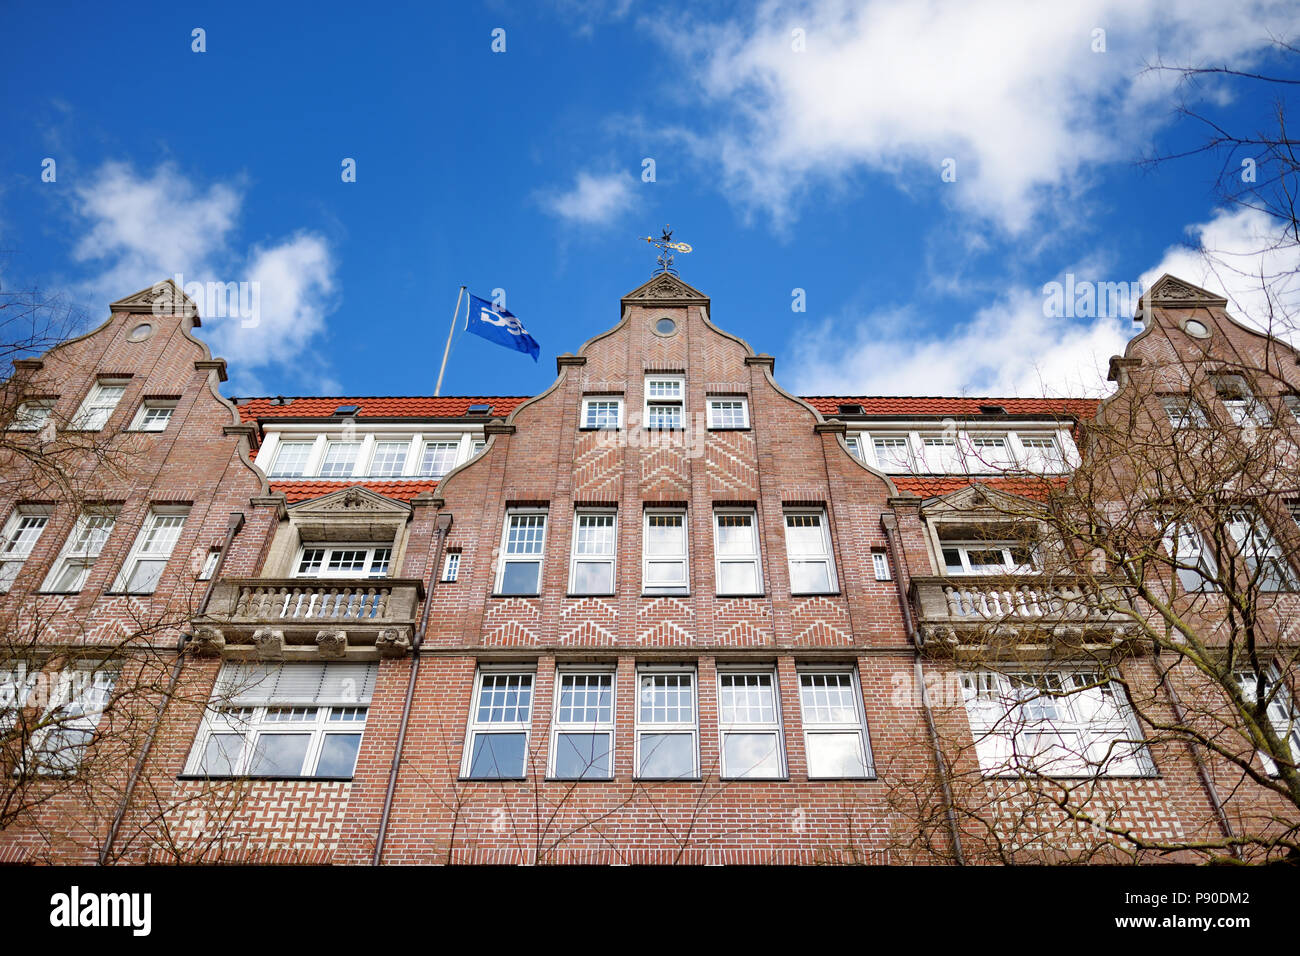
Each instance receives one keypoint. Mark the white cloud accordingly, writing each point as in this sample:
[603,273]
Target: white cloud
[1013,92]
[139,228]
[594,199]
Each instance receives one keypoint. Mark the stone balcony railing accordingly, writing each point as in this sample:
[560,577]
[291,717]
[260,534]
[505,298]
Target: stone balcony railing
[1028,608]
[275,617]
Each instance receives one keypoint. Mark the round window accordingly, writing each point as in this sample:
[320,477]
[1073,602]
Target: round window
[140,332]
[665,326]
[1196,329]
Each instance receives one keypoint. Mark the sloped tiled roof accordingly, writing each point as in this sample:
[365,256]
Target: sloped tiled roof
[935,485]
[296,490]
[380,406]
[940,405]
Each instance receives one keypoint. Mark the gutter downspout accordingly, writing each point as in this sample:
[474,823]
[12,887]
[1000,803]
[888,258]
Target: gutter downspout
[1220,814]
[233,525]
[890,524]
[444,525]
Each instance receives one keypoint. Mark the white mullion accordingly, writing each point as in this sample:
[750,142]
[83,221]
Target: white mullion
[364,464]
[266,454]
[312,467]
[414,455]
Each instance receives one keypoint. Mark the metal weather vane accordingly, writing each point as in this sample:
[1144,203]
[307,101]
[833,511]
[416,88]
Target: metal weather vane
[666,247]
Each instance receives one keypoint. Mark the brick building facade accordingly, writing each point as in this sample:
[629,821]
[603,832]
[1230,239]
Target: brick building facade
[664,611]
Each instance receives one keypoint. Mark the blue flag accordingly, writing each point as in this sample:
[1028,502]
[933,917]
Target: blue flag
[499,326]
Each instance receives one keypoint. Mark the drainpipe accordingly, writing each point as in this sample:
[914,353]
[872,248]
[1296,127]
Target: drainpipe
[896,558]
[444,525]
[1202,771]
[233,524]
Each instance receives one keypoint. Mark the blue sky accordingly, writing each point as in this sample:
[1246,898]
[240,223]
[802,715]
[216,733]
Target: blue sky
[795,146]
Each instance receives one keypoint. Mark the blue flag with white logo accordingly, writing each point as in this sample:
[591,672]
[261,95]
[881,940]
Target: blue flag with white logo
[499,326]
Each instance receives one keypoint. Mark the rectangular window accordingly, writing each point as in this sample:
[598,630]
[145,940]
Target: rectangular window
[21,532]
[499,723]
[1278,706]
[284,720]
[1266,566]
[988,453]
[749,725]
[210,563]
[834,728]
[389,459]
[32,416]
[595,541]
[1292,403]
[343,561]
[67,726]
[808,548]
[893,454]
[582,739]
[664,559]
[988,557]
[1042,453]
[735,541]
[605,414]
[1056,723]
[855,446]
[15,684]
[151,552]
[451,566]
[880,564]
[522,547]
[666,745]
[98,406]
[340,459]
[665,401]
[479,445]
[728,413]
[439,458]
[79,553]
[1193,563]
[1183,411]
[291,459]
[1237,398]
[153,416]
[940,455]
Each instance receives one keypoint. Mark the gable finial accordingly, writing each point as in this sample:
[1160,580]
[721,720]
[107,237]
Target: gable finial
[665,245]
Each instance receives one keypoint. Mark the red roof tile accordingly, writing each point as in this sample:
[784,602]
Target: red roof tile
[930,487]
[297,491]
[940,405]
[380,406]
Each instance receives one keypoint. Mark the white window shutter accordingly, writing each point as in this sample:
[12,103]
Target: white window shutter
[259,685]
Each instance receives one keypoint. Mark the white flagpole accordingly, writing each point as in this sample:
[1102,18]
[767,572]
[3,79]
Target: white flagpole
[437,389]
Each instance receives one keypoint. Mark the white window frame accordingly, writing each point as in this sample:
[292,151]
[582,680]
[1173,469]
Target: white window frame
[715,406]
[977,458]
[506,558]
[880,566]
[589,402]
[1183,411]
[1033,457]
[824,556]
[357,458]
[1185,545]
[95,403]
[1009,564]
[892,465]
[86,556]
[32,415]
[645,727]
[378,560]
[153,545]
[19,541]
[561,728]
[1280,708]
[741,726]
[274,471]
[209,566]
[479,727]
[450,567]
[297,713]
[683,557]
[678,401]
[855,446]
[755,558]
[403,442]
[1257,545]
[946,461]
[1245,409]
[442,444]
[1001,711]
[610,558]
[146,421]
[82,693]
[815,728]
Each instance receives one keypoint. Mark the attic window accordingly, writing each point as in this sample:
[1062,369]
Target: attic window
[280,400]
[992,410]
[852,410]
[347,409]
[479,409]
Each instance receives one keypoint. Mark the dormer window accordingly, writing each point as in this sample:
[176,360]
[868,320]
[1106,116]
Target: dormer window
[852,410]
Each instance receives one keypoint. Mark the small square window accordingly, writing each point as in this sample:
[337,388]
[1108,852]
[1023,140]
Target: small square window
[603,414]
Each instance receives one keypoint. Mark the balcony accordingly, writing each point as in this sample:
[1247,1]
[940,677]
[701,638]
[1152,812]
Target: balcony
[957,611]
[286,618]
